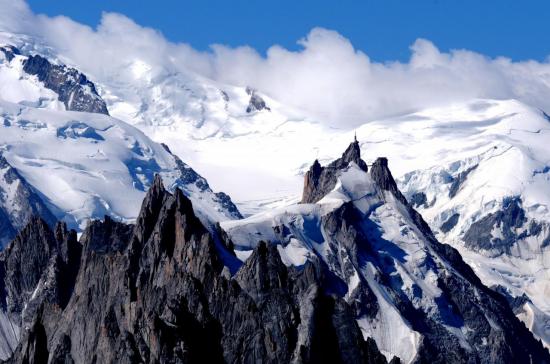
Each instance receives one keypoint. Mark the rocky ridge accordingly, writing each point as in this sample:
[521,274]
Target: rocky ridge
[73,88]
[157,291]
[319,181]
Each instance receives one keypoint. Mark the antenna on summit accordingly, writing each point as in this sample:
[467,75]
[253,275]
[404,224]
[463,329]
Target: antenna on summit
[355,136]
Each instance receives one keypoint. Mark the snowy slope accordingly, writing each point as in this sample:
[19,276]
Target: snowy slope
[87,165]
[19,201]
[213,125]
[485,181]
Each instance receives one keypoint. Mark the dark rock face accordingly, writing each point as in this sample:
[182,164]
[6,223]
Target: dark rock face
[25,260]
[450,223]
[10,52]
[419,199]
[464,302]
[157,292]
[73,88]
[18,203]
[459,180]
[509,221]
[8,232]
[319,180]
[516,302]
[256,102]
[29,265]
[226,202]
[383,178]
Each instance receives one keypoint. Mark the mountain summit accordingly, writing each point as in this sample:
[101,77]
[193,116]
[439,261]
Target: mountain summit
[413,295]
[319,180]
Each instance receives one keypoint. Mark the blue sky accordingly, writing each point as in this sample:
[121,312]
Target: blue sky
[384,29]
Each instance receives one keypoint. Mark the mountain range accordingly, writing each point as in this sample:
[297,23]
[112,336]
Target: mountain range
[448,262]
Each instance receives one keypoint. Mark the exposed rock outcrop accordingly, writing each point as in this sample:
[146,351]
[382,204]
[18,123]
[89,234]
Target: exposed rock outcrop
[160,292]
[73,88]
[499,231]
[256,102]
[450,223]
[459,180]
[319,181]
[10,52]
[419,199]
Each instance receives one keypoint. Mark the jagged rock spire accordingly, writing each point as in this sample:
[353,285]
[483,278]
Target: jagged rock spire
[167,300]
[352,154]
[150,208]
[382,175]
[319,180]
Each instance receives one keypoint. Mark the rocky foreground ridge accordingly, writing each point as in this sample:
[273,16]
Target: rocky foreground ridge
[157,291]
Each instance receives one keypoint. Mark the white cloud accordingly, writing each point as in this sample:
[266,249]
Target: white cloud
[327,76]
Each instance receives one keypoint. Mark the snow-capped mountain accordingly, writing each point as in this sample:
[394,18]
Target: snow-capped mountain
[489,153]
[476,170]
[81,165]
[413,295]
[196,117]
[158,292]
[482,184]
[469,161]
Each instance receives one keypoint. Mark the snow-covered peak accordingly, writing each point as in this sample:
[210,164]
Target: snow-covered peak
[88,165]
[384,260]
[84,164]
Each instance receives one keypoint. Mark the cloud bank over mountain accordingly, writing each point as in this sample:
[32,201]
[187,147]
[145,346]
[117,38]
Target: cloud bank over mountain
[327,76]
